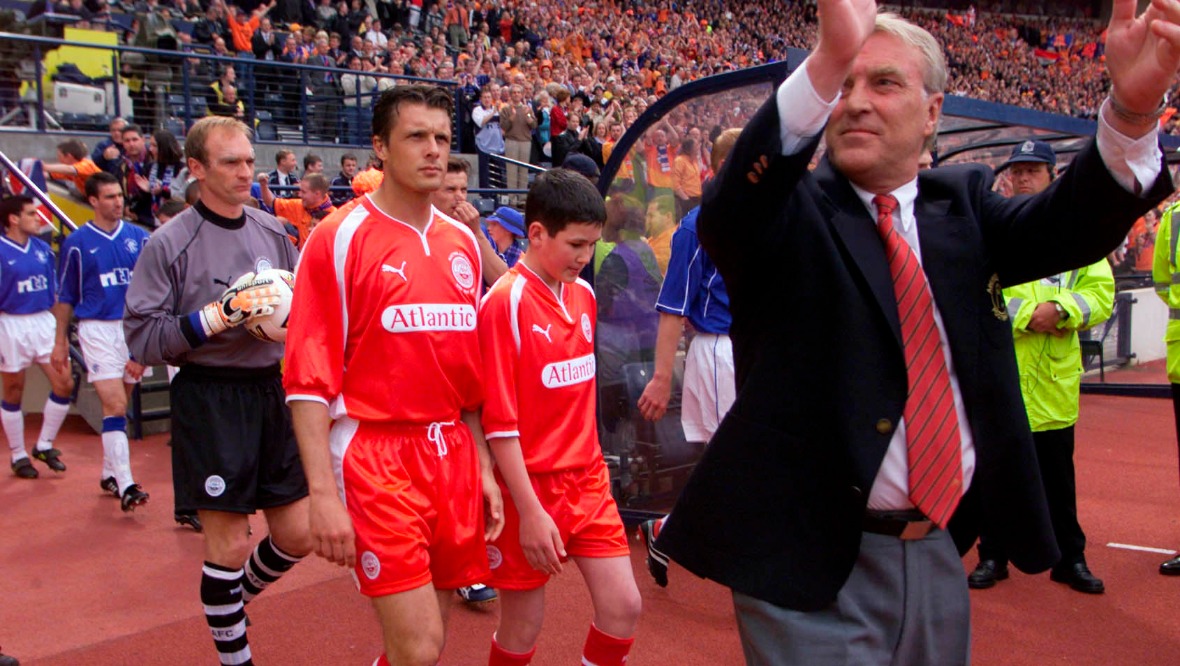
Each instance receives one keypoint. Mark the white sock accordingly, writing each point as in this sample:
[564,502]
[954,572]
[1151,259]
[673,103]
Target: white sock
[51,419]
[117,459]
[14,431]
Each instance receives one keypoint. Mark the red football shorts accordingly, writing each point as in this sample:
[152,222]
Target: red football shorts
[580,503]
[416,502]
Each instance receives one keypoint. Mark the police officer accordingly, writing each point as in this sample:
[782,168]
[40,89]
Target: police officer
[1164,266]
[1046,317]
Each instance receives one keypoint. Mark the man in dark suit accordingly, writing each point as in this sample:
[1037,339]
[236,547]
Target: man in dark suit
[267,45]
[859,445]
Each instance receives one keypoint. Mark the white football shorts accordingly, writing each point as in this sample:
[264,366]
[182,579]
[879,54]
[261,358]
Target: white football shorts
[105,350]
[709,386]
[25,339]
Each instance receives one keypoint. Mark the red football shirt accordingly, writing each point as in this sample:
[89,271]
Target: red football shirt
[383,322]
[539,368]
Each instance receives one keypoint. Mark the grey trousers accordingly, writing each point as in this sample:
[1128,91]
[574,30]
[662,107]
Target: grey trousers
[905,604]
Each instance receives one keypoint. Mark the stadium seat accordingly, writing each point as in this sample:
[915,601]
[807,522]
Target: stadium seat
[266,130]
[1093,341]
[485,206]
[175,126]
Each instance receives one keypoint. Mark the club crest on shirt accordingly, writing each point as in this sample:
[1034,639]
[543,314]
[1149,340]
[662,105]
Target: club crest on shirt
[42,256]
[462,270]
[587,331]
[995,292]
[262,264]
[132,245]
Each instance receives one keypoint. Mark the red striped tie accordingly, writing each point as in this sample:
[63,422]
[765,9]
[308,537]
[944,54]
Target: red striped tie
[932,427]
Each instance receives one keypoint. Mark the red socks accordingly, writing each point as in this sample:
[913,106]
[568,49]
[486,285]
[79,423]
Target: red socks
[602,649]
[502,657]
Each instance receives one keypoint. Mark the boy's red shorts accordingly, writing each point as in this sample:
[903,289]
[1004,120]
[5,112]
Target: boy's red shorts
[580,503]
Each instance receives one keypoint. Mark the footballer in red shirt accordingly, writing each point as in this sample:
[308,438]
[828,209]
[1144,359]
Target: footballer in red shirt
[536,328]
[383,376]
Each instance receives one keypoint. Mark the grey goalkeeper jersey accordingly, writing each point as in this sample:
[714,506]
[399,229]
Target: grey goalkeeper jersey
[188,263]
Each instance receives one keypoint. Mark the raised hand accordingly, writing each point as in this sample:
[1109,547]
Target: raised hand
[1142,53]
[844,25]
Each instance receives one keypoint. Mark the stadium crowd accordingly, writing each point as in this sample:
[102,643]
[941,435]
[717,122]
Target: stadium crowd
[619,54]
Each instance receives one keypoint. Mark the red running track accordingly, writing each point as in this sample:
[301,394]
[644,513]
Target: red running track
[85,584]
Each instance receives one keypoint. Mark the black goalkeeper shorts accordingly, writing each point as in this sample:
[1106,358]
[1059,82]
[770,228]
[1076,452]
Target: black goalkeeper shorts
[233,445]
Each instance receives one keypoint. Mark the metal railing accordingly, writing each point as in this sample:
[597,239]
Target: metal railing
[171,89]
[494,173]
[39,194]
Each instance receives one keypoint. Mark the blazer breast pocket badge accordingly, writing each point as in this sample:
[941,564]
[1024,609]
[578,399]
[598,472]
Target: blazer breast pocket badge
[996,293]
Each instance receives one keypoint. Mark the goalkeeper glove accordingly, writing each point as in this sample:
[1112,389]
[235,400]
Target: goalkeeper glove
[248,297]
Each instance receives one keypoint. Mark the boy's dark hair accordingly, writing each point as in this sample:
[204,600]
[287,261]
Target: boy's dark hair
[310,159]
[12,206]
[281,155]
[74,148]
[385,113]
[347,156]
[458,165]
[95,183]
[134,129]
[171,208]
[560,197]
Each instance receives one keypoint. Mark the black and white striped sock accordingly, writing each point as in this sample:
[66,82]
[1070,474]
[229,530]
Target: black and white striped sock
[221,593]
[266,565]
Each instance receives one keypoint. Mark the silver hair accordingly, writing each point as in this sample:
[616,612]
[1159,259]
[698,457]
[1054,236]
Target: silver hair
[935,76]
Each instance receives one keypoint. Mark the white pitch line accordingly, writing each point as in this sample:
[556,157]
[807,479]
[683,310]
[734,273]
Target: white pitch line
[1145,549]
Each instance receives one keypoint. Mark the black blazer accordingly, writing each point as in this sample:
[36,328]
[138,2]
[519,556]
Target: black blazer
[775,507]
[260,48]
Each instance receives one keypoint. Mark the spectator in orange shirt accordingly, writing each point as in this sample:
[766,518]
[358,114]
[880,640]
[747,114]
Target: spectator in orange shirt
[242,29]
[686,177]
[73,165]
[303,213]
[659,156]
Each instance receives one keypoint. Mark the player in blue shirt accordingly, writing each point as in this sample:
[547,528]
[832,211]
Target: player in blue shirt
[96,265]
[692,290]
[27,289]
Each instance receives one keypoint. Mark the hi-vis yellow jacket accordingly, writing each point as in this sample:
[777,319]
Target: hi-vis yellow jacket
[1167,286]
[1051,365]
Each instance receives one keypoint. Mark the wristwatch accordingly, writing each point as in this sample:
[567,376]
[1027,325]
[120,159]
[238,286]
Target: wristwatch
[1061,311]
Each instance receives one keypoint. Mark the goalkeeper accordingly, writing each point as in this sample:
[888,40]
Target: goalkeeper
[233,449]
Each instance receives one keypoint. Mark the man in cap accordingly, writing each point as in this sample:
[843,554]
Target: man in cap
[1046,316]
[505,226]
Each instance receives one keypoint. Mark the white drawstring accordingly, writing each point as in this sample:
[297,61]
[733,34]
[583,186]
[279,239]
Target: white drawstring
[434,434]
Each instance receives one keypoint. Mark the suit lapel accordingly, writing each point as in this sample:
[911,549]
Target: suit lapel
[857,231]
